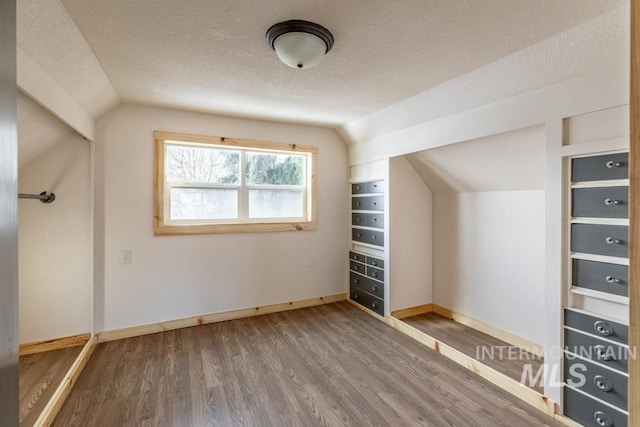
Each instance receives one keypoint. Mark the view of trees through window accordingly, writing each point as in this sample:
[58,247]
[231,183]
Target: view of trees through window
[205,183]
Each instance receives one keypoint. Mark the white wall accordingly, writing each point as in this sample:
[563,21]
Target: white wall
[180,276]
[410,236]
[55,243]
[489,258]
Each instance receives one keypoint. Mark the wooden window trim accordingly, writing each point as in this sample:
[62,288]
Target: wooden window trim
[161,228]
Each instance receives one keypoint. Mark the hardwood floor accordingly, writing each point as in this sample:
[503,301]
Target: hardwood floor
[497,354]
[330,365]
[40,375]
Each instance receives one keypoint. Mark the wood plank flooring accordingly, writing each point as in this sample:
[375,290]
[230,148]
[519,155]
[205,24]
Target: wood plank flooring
[330,365]
[40,376]
[497,354]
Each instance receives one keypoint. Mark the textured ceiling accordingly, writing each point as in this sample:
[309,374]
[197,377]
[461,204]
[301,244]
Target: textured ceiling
[210,55]
[512,161]
[38,130]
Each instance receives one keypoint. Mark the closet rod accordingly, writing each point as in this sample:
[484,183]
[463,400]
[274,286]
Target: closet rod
[44,197]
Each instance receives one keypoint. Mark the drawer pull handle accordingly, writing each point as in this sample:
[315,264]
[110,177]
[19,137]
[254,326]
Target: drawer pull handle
[603,328]
[611,279]
[356,281]
[357,203]
[358,218]
[357,187]
[611,240]
[373,237]
[374,288]
[374,304]
[603,383]
[601,352]
[375,220]
[375,274]
[602,419]
[611,164]
[359,235]
[375,185]
[374,203]
[374,263]
[356,296]
[610,202]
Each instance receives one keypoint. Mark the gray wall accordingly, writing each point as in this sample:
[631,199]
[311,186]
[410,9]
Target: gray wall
[8,218]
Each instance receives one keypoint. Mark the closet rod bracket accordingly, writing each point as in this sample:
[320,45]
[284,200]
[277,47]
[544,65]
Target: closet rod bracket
[44,197]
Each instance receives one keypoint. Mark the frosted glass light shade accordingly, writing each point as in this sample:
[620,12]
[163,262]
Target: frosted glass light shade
[299,50]
[299,44]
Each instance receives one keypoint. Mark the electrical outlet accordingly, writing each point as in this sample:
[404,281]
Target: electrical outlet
[125,257]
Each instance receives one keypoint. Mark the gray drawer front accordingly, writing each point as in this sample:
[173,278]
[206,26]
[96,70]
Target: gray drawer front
[357,257]
[596,168]
[367,187]
[368,236]
[599,382]
[584,410]
[590,347]
[356,266]
[375,273]
[368,220]
[600,202]
[367,300]
[601,276]
[371,203]
[376,262]
[594,239]
[594,325]
[367,284]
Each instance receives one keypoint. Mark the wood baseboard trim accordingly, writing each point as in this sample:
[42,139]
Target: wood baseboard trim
[506,383]
[566,421]
[54,405]
[497,333]
[412,311]
[134,331]
[372,313]
[54,344]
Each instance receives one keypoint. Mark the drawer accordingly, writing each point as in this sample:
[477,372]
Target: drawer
[376,262]
[610,355]
[370,203]
[594,325]
[356,266]
[357,257]
[600,202]
[596,381]
[367,300]
[367,187]
[366,284]
[601,276]
[375,273]
[368,236]
[589,412]
[368,220]
[600,239]
[595,168]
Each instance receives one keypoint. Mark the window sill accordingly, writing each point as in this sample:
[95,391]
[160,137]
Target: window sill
[263,227]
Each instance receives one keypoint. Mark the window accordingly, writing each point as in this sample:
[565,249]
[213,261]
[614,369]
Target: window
[221,185]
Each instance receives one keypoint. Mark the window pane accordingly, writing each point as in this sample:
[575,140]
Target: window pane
[201,165]
[276,204]
[275,169]
[204,203]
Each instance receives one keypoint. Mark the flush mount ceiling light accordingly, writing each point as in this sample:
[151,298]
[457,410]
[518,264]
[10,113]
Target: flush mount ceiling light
[299,44]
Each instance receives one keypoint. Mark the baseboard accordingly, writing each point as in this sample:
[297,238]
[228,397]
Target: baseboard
[490,330]
[508,384]
[54,405]
[54,344]
[118,334]
[412,311]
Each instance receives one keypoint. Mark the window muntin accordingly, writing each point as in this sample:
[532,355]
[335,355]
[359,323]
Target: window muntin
[217,185]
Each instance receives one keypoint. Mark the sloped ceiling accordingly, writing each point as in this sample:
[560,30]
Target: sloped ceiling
[38,130]
[210,55]
[512,161]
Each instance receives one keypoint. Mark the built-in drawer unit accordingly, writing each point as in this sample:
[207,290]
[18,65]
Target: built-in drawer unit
[368,236]
[368,203]
[597,326]
[366,281]
[602,383]
[601,276]
[607,353]
[367,220]
[600,202]
[591,413]
[368,187]
[610,240]
[600,168]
